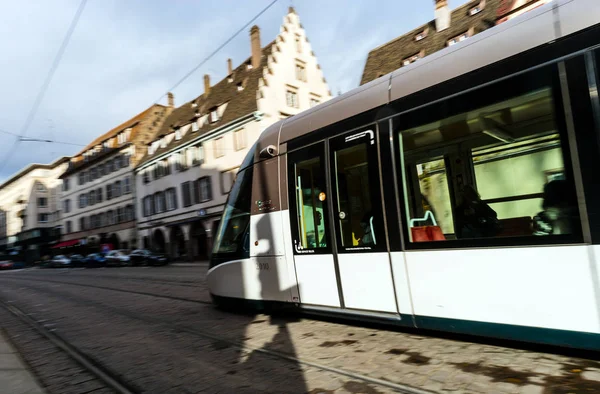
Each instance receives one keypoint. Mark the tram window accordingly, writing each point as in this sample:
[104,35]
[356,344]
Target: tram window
[356,222]
[311,203]
[505,178]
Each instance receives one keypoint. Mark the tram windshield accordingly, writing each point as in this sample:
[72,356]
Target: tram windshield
[232,239]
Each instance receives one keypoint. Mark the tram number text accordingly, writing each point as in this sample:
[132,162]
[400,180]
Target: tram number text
[262,266]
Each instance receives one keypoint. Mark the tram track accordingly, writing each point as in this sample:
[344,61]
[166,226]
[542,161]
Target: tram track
[109,378]
[168,297]
[217,339]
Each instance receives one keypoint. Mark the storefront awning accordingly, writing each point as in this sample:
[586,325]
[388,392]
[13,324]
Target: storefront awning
[66,244]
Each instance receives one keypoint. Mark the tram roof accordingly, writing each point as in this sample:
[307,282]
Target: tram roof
[545,24]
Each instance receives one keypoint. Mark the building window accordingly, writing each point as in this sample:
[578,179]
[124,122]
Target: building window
[117,189]
[68,226]
[67,206]
[239,139]
[291,97]
[81,178]
[43,218]
[186,194]
[457,39]
[227,179]
[214,115]
[120,215]
[205,188]
[129,214]
[82,200]
[166,167]
[148,206]
[110,218]
[92,173]
[179,159]
[314,100]
[159,202]
[81,224]
[126,160]
[300,71]
[198,155]
[41,188]
[92,197]
[411,59]
[99,195]
[127,185]
[109,194]
[171,199]
[298,43]
[42,202]
[65,185]
[219,147]
[146,176]
[86,176]
[195,126]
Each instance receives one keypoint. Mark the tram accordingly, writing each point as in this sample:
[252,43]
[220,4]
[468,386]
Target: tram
[458,193]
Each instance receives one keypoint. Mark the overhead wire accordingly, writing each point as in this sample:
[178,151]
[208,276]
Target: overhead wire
[44,87]
[25,139]
[193,70]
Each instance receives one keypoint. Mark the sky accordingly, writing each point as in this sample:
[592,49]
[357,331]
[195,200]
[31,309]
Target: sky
[125,54]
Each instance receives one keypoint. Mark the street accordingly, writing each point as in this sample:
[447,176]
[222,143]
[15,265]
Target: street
[155,330]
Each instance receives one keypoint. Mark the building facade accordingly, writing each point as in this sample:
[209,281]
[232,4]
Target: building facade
[30,211]
[97,198]
[183,181]
[448,28]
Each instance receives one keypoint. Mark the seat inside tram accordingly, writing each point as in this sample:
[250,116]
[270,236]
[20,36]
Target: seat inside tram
[497,171]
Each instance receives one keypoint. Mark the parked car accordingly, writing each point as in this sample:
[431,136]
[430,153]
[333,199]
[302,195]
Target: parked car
[95,260]
[146,257]
[6,265]
[60,261]
[117,258]
[77,260]
[18,265]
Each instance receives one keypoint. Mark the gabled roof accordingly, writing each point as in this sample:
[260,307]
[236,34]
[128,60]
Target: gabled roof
[34,166]
[125,125]
[135,123]
[390,56]
[239,103]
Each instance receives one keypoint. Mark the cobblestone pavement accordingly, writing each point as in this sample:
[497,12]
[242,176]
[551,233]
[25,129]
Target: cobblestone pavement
[157,329]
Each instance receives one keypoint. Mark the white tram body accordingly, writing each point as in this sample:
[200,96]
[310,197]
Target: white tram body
[358,206]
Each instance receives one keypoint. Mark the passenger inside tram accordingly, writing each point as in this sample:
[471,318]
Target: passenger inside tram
[558,213]
[475,218]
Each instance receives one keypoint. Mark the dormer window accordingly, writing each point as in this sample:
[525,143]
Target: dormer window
[412,59]
[214,115]
[421,35]
[249,66]
[230,79]
[459,38]
[477,9]
[178,134]
[194,105]
[195,126]
[163,142]
[240,87]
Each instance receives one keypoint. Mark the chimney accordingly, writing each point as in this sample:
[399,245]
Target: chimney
[229,67]
[291,10]
[206,84]
[255,46]
[171,100]
[442,15]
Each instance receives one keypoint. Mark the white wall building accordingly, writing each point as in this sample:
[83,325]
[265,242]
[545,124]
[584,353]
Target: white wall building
[98,194]
[30,210]
[183,181]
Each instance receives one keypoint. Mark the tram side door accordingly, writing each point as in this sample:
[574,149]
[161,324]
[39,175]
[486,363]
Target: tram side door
[358,223]
[316,271]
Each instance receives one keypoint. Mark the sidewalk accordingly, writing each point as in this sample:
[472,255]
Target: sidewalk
[189,264]
[15,377]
